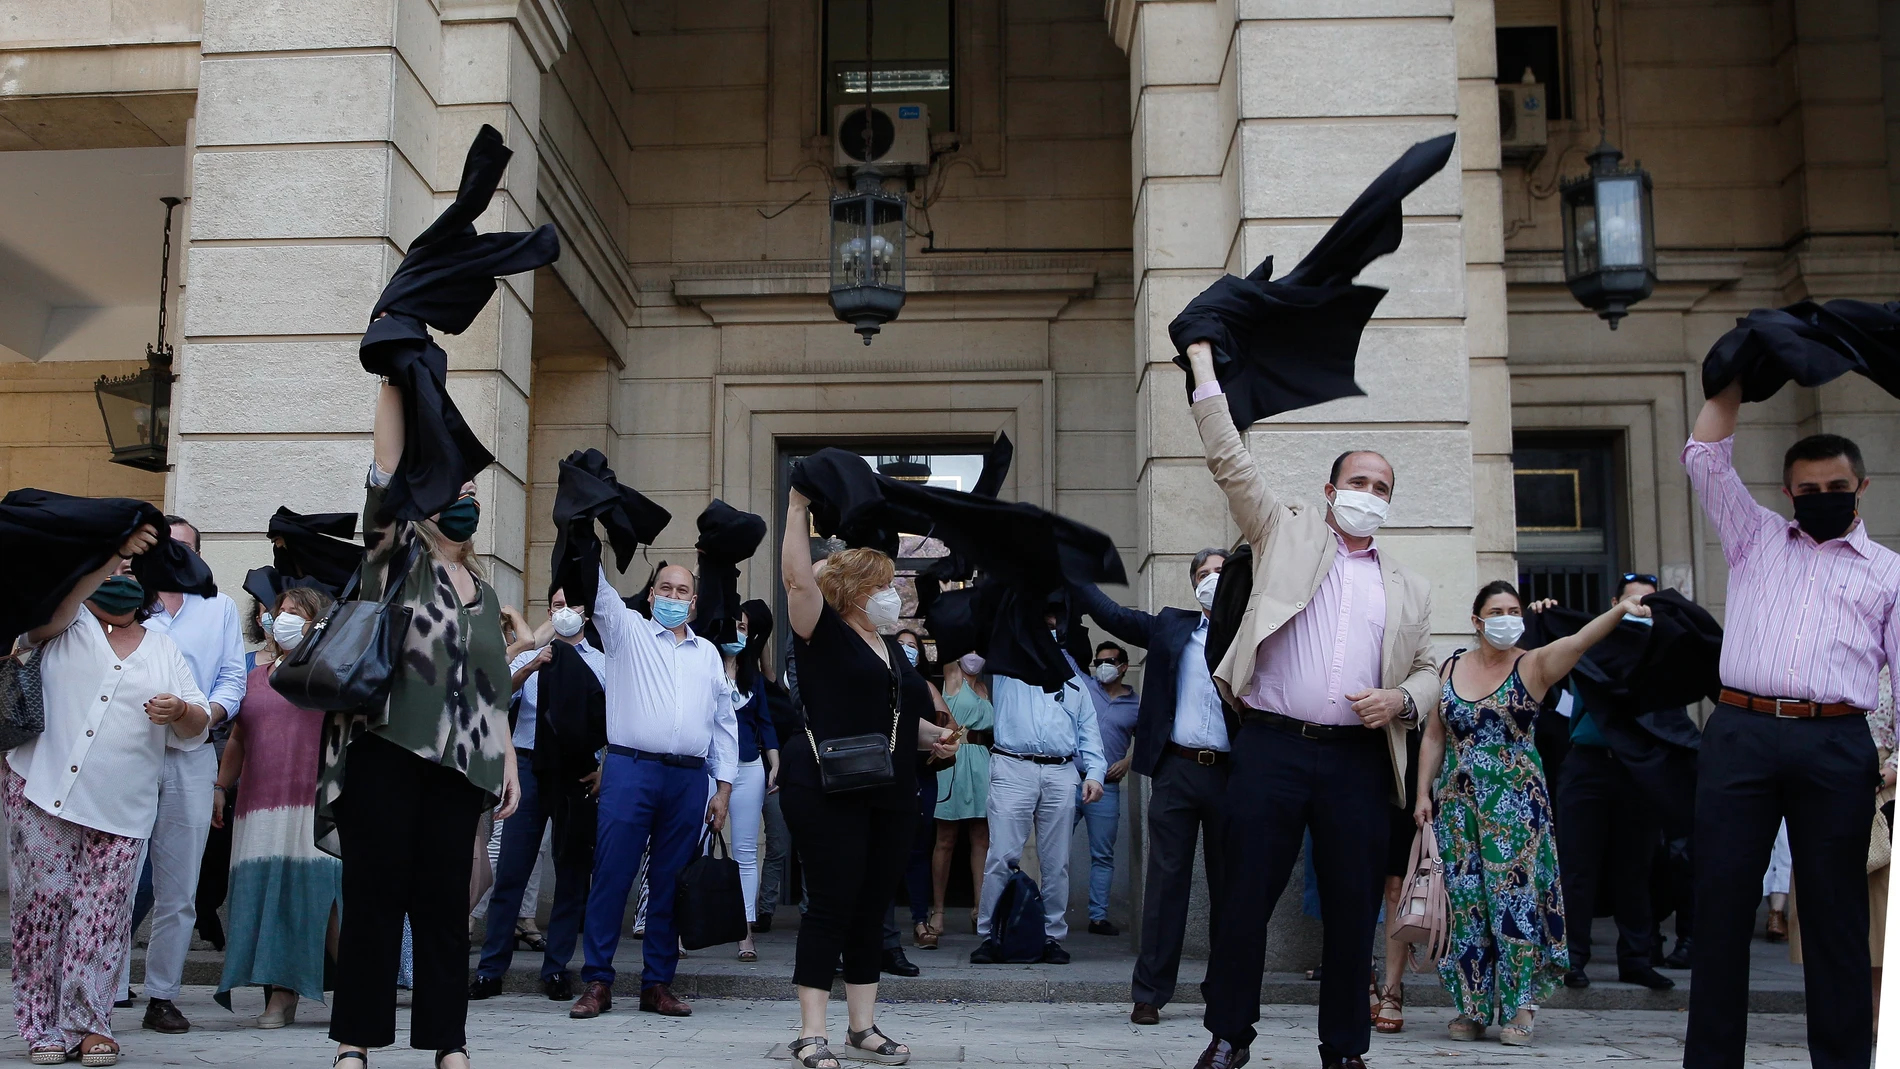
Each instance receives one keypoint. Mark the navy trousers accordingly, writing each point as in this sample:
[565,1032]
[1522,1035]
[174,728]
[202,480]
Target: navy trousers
[643,805]
[520,844]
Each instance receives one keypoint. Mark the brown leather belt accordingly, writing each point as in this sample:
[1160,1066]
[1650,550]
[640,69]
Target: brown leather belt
[1199,757]
[984,737]
[1786,708]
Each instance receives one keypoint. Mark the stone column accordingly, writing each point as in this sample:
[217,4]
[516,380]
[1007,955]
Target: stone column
[324,145]
[1255,125]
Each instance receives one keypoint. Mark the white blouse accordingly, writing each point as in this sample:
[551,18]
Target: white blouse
[99,761]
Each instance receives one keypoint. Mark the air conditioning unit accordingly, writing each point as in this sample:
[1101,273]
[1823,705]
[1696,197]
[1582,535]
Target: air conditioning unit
[894,136]
[1523,125]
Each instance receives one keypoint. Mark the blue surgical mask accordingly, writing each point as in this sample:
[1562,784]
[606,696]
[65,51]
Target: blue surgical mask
[910,654]
[670,612]
[734,648]
[1632,618]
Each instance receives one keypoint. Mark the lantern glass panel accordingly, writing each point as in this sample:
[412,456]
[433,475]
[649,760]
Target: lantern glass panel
[1622,227]
[1583,239]
[887,241]
[136,418]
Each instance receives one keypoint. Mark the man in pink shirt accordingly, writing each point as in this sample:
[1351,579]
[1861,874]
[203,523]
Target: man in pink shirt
[1330,670]
[1813,613]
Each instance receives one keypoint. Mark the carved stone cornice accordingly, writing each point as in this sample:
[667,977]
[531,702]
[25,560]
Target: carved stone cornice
[543,23]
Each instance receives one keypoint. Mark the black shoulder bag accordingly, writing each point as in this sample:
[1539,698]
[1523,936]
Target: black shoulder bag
[348,660]
[858,762]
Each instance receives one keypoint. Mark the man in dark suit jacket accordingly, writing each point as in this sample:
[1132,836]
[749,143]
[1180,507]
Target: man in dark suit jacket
[1181,745]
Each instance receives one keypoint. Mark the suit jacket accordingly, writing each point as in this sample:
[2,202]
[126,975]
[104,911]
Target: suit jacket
[1293,550]
[1164,635]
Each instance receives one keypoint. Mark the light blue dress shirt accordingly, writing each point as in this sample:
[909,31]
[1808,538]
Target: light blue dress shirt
[531,689]
[1114,717]
[1029,720]
[1199,723]
[207,632]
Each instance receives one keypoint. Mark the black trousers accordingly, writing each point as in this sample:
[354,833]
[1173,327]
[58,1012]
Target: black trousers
[852,856]
[1185,802]
[1605,821]
[408,834]
[1820,775]
[1281,785]
[214,874]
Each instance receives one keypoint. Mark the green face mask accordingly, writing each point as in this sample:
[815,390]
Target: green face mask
[118,595]
[458,522]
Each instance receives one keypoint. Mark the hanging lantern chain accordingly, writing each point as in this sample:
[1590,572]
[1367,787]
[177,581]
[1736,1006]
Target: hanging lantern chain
[164,277]
[1596,36]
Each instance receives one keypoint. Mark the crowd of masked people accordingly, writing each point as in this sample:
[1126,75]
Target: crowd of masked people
[342,784]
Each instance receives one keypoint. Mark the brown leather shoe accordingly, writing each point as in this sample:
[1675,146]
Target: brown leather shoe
[162,1016]
[1221,1054]
[596,1000]
[659,999]
[1777,926]
[1145,1014]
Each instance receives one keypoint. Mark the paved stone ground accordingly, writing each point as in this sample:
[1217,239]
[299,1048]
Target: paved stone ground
[528,1032]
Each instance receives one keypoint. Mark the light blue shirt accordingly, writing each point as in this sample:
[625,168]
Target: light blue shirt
[1199,723]
[1114,717]
[1029,720]
[531,689]
[207,632]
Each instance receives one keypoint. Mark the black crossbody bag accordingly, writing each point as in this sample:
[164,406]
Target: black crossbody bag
[858,762]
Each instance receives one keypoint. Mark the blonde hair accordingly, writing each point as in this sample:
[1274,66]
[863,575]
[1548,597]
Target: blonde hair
[851,575]
[439,547]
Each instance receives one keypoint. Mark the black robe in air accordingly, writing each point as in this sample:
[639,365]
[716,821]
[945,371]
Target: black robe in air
[588,491]
[444,281]
[1291,343]
[727,539]
[1808,343]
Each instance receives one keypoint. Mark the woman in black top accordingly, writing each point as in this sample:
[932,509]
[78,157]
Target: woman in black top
[853,846]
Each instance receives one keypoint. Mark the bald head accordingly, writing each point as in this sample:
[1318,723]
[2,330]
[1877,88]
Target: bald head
[674,581]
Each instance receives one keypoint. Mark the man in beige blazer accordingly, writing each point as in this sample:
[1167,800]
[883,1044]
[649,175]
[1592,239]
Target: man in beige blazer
[1331,667]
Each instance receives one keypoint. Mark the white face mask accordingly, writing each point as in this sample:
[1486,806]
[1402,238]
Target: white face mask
[287,630]
[1502,632]
[1358,513]
[567,622]
[1204,590]
[884,608]
[1106,673]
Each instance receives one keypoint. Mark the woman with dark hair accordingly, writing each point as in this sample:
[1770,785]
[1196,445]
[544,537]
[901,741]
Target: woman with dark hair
[1507,944]
[758,755]
[854,680]
[401,788]
[80,798]
[283,890]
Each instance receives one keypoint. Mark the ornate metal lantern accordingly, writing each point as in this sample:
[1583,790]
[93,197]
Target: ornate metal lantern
[137,408]
[867,254]
[1609,235]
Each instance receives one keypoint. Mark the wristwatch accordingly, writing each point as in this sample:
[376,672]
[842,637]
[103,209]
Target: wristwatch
[1411,707]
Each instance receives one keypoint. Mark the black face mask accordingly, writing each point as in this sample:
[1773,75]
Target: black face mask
[1826,515]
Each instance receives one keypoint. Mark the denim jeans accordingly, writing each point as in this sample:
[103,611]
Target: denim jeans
[1104,819]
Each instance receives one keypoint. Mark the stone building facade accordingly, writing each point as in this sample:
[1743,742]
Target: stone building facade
[1097,164]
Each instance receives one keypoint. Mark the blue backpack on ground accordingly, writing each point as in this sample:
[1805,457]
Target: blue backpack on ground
[1016,925]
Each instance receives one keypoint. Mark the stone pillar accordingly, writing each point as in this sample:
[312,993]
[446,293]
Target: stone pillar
[1253,129]
[324,145]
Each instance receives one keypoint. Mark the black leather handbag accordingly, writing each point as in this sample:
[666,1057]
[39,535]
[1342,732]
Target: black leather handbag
[709,897]
[857,762]
[349,658]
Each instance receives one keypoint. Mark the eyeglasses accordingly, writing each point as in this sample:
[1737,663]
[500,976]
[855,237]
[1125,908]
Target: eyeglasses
[1640,577]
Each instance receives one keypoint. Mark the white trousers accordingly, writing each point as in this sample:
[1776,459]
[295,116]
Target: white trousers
[1025,795]
[177,849]
[747,813]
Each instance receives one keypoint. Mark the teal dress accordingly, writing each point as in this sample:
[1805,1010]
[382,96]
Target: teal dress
[963,789]
[1508,947]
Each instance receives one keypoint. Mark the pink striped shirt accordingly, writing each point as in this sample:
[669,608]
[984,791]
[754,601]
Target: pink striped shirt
[1804,620]
[1329,649]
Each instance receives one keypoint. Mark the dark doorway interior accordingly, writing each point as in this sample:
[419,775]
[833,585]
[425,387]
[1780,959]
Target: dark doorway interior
[1570,517]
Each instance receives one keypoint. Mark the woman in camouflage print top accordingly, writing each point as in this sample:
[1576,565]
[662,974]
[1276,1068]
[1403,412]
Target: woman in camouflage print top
[402,786]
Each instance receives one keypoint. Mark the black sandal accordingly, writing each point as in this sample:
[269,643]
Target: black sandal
[441,1054]
[820,1053]
[357,1054]
[888,1052]
[532,940]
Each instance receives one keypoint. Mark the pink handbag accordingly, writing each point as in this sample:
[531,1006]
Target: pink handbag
[1424,907]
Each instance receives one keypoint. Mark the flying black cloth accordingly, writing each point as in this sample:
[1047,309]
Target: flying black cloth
[1808,343]
[1025,555]
[443,283]
[320,547]
[727,539]
[52,541]
[1291,343]
[953,568]
[1639,668]
[587,491]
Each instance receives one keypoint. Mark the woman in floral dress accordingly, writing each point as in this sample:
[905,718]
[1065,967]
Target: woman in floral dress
[1493,824]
